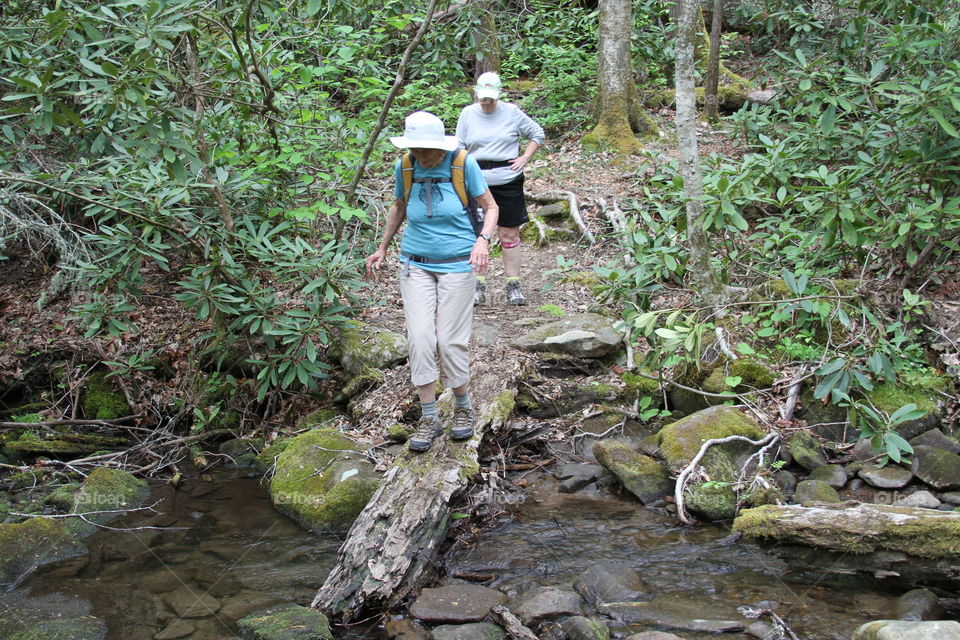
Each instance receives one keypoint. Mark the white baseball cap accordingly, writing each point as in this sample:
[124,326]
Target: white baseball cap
[488,86]
[424,130]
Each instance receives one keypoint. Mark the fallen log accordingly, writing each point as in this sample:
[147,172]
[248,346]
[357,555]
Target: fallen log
[390,551]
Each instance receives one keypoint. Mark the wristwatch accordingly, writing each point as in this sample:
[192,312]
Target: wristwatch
[485,236]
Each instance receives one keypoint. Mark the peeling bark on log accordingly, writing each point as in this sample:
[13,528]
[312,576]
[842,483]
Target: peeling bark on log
[570,197]
[391,549]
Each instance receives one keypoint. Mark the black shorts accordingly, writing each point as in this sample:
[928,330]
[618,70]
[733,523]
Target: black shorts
[513,208]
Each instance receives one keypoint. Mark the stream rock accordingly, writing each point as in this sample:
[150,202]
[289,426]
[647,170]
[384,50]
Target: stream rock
[587,335]
[49,617]
[405,629]
[286,622]
[936,467]
[176,629]
[920,604]
[643,476]
[609,581]
[321,481]
[681,611]
[654,635]
[545,603]
[833,474]
[889,477]
[806,451]
[186,603]
[923,499]
[815,491]
[457,603]
[365,346]
[26,546]
[937,439]
[574,477]
[472,631]
[581,628]
[106,489]
[903,630]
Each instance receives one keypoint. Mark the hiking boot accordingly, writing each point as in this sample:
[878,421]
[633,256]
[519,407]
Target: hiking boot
[427,429]
[462,423]
[514,294]
[480,295]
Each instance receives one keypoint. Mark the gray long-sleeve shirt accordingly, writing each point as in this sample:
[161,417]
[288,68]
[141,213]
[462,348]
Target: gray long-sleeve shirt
[496,136]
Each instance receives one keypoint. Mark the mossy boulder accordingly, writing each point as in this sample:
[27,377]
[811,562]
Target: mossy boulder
[923,392]
[367,379]
[936,467]
[242,452]
[587,335]
[107,489]
[908,630]
[287,622]
[63,497]
[267,457]
[815,491]
[806,452]
[33,543]
[642,476]
[542,398]
[680,441]
[321,481]
[364,346]
[63,443]
[101,399]
[712,500]
[49,617]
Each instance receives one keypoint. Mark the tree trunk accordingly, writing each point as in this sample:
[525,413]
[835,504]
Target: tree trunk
[488,47]
[617,94]
[391,549]
[713,66]
[706,281]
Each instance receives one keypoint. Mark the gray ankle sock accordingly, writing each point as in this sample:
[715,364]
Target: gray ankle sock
[428,408]
[463,401]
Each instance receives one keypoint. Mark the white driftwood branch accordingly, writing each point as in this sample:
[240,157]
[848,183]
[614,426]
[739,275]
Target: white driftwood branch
[569,196]
[516,629]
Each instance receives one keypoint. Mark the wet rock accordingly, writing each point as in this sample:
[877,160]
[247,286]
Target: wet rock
[863,450]
[107,489]
[49,617]
[587,335]
[806,452]
[923,499]
[187,603]
[366,346]
[761,630]
[286,622]
[712,501]
[544,603]
[787,481]
[472,631]
[609,581]
[177,629]
[889,477]
[904,630]
[682,612]
[681,440]
[33,543]
[321,481]
[247,602]
[581,628]
[574,477]
[937,439]
[485,333]
[405,629]
[456,603]
[643,476]
[815,491]
[654,635]
[919,604]
[936,467]
[951,497]
[833,474]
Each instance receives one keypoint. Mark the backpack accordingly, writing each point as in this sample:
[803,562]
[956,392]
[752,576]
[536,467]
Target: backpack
[457,178]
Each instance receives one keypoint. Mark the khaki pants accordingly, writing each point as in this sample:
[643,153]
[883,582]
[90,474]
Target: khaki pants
[439,312]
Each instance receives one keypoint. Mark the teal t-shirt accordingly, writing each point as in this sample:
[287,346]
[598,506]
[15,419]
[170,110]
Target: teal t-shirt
[447,232]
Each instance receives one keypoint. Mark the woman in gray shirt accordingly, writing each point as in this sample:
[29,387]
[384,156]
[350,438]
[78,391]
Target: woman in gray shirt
[490,130]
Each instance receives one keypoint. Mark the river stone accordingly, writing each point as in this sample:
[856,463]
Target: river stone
[609,581]
[712,501]
[833,474]
[680,441]
[951,497]
[247,602]
[643,476]
[762,630]
[26,546]
[806,452]
[920,604]
[904,630]
[587,335]
[936,438]
[936,467]
[543,603]
[815,491]
[472,631]
[786,480]
[889,477]
[456,603]
[581,628]
[677,612]
[923,499]
[285,622]
[187,603]
[107,489]
[365,346]
[864,450]
[48,617]
[654,635]
[177,629]
[405,629]
[574,477]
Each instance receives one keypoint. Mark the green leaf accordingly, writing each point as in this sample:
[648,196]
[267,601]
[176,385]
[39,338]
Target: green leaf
[732,381]
[745,349]
[906,413]
[944,124]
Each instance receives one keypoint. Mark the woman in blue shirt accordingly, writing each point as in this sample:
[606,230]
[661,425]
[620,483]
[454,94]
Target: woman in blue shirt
[440,255]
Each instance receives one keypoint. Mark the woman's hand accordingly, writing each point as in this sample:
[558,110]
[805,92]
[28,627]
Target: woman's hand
[517,164]
[374,260]
[480,256]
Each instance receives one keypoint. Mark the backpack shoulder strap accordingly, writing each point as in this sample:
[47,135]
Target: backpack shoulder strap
[458,177]
[406,167]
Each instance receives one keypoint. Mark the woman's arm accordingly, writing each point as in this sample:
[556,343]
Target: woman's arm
[398,213]
[480,256]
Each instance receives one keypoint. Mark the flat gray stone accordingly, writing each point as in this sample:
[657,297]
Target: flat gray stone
[920,604]
[936,438]
[951,497]
[187,603]
[681,613]
[472,631]
[485,333]
[888,477]
[574,477]
[178,629]
[922,499]
[587,335]
[608,581]
[286,622]
[936,467]
[815,491]
[457,603]
[833,474]
[905,630]
[544,603]
[581,628]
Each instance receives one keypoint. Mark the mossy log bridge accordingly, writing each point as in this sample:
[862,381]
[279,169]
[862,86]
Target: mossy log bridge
[391,549]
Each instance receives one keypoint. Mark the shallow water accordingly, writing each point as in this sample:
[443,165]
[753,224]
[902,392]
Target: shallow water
[237,555]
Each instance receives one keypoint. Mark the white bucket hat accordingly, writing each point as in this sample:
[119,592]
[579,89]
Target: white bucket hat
[424,130]
[488,86]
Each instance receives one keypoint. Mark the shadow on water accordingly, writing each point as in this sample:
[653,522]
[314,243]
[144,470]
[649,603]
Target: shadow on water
[223,553]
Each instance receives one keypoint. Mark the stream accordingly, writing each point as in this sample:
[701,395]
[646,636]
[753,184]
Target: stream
[227,553]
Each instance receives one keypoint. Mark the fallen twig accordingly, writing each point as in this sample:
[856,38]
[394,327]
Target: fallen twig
[512,624]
